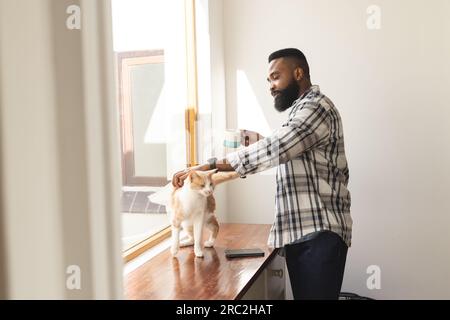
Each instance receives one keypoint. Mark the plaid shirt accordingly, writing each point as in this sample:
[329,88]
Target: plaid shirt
[312,173]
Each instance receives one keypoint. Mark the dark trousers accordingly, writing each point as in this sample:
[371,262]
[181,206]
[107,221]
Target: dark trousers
[316,266]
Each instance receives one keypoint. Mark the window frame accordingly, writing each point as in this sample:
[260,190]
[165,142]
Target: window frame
[191,110]
[192,83]
[125,62]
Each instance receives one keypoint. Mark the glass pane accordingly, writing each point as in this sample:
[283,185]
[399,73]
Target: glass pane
[149,118]
[149,41]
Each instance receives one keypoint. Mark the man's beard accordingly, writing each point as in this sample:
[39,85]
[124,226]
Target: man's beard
[286,97]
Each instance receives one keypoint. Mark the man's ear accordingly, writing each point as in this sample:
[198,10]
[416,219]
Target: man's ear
[298,73]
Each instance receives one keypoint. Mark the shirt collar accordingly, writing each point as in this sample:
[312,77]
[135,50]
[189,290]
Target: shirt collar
[313,88]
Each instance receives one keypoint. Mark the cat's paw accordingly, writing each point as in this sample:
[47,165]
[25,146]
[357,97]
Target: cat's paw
[174,250]
[209,243]
[187,242]
[198,253]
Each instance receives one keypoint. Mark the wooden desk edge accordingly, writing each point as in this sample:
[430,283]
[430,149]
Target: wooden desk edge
[257,274]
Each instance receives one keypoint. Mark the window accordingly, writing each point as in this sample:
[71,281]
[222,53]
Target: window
[154,43]
[142,112]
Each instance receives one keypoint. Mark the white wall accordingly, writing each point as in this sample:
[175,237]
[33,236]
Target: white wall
[390,88]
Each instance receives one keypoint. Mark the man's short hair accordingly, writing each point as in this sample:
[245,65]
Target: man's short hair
[297,56]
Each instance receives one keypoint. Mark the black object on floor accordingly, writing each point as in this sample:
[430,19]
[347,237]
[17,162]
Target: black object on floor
[240,253]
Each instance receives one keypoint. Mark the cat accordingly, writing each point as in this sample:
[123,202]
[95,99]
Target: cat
[193,206]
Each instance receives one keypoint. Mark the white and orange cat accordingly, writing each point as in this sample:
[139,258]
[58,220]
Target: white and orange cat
[193,206]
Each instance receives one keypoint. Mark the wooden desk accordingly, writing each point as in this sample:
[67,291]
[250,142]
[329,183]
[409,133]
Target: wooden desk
[212,277]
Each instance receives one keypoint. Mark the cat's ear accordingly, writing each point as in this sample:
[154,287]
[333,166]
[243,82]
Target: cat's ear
[210,172]
[193,175]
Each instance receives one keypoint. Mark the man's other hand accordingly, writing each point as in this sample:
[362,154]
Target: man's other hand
[249,137]
[180,176]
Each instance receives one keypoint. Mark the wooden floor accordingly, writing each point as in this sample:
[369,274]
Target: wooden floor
[212,277]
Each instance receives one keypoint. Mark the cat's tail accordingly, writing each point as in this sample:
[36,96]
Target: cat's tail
[224,176]
[162,196]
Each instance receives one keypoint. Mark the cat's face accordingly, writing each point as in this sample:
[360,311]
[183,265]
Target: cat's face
[201,182]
